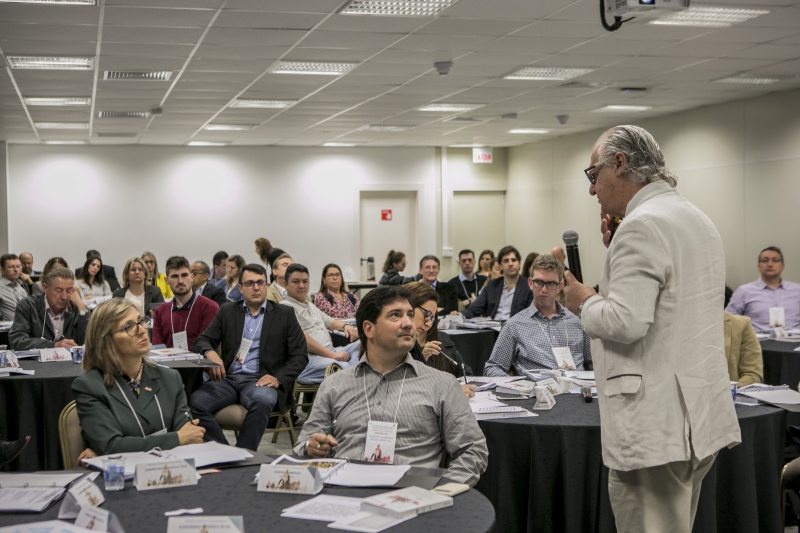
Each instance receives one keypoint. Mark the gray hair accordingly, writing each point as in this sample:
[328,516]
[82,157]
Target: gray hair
[548,262]
[57,272]
[645,160]
[278,259]
[204,268]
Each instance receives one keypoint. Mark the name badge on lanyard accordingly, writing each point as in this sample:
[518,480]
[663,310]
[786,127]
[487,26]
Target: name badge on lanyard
[381,439]
[563,357]
[244,349]
[180,340]
[777,317]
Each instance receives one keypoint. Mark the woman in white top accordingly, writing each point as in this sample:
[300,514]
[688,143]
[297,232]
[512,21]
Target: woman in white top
[91,281]
[134,289]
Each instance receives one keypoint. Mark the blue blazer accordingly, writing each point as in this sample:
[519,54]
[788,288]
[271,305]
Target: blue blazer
[489,299]
[235,295]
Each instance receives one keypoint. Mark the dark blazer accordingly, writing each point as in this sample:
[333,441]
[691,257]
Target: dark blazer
[456,282]
[448,297]
[449,348]
[152,295]
[489,299]
[109,425]
[26,332]
[108,274]
[212,292]
[284,353]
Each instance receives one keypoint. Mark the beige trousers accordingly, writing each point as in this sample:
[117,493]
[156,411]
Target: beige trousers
[658,499]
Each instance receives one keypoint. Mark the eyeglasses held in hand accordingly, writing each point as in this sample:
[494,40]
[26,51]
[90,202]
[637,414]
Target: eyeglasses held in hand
[132,329]
[250,283]
[539,283]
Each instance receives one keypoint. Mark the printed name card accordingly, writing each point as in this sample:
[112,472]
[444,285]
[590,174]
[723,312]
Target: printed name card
[82,494]
[205,524]
[294,479]
[47,355]
[96,519]
[544,399]
[178,473]
[552,385]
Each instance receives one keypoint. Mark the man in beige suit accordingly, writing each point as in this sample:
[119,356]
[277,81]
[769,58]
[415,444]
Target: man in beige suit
[658,337]
[743,351]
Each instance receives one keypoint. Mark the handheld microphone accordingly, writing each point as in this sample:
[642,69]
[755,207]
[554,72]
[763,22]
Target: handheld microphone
[570,239]
[587,394]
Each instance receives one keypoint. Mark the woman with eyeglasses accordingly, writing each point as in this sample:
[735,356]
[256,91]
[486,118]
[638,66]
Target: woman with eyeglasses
[134,289]
[154,277]
[125,403]
[433,347]
[333,298]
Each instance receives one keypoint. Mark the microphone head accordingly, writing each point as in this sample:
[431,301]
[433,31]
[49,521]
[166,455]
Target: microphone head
[570,237]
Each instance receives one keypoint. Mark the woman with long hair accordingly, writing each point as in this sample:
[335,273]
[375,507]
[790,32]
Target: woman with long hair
[91,282]
[334,299]
[435,348]
[394,264]
[526,266]
[485,262]
[231,286]
[154,277]
[267,253]
[134,289]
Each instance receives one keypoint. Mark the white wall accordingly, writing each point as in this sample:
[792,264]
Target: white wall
[739,162]
[65,200]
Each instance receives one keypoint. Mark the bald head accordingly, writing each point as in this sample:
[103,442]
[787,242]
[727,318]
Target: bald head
[558,253]
[26,259]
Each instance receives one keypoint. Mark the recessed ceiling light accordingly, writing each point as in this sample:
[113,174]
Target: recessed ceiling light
[622,109]
[154,75]
[529,130]
[709,17]
[57,101]
[123,114]
[118,134]
[229,127]
[748,79]
[263,104]
[59,2]
[63,142]
[206,143]
[61,125]
[547,73]
[406,8]
[339,145]
[467,146]
[50,63]
[312,67]
[450,107]
[382,127]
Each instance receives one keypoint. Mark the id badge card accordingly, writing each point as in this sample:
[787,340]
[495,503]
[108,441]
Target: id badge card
[244,348]
[777,317]
[564,358]
[381,439]
[180,340]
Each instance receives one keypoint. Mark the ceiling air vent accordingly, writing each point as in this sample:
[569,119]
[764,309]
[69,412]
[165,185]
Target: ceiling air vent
[117,134]
[123,114]
[585,85]
[461,119]
[163,75]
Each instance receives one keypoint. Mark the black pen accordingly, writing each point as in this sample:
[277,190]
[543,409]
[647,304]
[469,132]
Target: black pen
[190,418]
[330,428]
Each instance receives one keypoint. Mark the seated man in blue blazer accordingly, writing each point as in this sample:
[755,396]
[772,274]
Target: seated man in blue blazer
[262,350]
[503,297]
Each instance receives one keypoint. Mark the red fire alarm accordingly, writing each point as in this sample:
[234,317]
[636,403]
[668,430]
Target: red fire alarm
[386,214]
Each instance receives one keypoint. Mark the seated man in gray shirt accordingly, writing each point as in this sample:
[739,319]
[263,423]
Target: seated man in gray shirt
[388,387]
[545,335]
[317,327]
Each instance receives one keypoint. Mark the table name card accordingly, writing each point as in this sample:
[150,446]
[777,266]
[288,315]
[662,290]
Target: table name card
[294,479]
[96,519]
[82,494]
[161,475]
[47,355]
[544,399]
[205,524]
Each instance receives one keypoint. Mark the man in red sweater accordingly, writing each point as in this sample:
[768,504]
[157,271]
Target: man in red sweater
[179,323]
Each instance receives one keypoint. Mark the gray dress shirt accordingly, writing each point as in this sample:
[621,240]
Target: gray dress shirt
[433,417]
[11,293]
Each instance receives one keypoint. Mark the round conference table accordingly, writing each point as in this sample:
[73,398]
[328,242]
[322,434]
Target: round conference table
[546,473]
[781,363]
[230,493]
[475,346]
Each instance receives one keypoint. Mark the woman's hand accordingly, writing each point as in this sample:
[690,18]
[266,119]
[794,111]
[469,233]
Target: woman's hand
[88,453]
[191,433]
[431,348]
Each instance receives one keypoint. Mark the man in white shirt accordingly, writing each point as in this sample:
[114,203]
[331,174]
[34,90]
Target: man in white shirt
[12,287]
[277,290]
[317,327]
[202,285]
[658,337]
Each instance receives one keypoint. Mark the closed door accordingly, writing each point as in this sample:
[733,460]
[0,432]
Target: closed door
[389,222]
[478,223]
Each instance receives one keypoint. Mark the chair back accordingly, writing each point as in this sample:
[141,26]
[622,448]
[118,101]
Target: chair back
[332,369]
[70,435]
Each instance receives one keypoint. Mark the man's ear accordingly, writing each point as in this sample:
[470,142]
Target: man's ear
[620,163]
[369,329]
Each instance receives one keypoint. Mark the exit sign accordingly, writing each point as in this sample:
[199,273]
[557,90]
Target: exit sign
[386,214]
[482,155]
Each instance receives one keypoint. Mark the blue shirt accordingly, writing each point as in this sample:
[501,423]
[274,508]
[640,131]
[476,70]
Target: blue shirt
[252,330]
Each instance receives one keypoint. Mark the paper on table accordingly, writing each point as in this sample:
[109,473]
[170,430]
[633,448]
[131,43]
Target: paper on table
[367,522]
[178,512]
[35,499]
[786,396]
[5,372]
[353,475]
[324,508]
[49,480]
[51,526]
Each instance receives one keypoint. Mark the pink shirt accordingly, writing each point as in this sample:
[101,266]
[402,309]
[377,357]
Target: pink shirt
[337,309]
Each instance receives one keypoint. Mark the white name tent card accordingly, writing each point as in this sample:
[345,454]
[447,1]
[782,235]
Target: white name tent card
[160,475]
[96,519]
[205,524]
[544,399]
[325,467]
[48,355]
[294,479]
[81,494]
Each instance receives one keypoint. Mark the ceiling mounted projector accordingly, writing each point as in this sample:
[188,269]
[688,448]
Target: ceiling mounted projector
[644,8]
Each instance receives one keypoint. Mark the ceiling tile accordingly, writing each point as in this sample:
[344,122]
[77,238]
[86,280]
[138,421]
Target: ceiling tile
[157,17]
[267,20]
[442,42]
[459,26]
[295,6]
[47,32]
[50,14]
[369,23]
[250,37]
[144,35]
[532,45]
[505,9]
[344,39]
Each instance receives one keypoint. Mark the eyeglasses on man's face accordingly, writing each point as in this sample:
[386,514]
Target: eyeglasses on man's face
[132,328]
[252,283]
[551,285]
[427,315]
[588,172]
[765,260]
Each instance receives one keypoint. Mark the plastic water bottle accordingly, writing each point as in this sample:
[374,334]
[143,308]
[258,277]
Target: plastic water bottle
[77,354]
[114,472]
[3,356]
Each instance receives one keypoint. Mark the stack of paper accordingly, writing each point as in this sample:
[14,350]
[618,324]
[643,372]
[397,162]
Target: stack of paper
[172,354]
[8,371]
[776,396]
[485,407]
[51,526]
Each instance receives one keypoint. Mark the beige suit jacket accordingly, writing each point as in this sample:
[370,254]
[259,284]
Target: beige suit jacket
[658,336]
[743,351]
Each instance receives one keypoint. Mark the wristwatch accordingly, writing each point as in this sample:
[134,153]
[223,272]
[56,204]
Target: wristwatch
[305,448]
[580,307]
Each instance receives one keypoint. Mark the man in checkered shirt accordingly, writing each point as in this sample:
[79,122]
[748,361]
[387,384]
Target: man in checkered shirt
[530,339]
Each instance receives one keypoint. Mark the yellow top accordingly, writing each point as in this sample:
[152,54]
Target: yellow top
[161,283]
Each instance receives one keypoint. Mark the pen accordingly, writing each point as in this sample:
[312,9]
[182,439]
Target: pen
[464,370]
[330,428]
[190,418]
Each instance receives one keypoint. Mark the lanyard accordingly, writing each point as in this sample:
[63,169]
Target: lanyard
[186,324]
[253,336]
[465,288]
[160,413]
[566,333]
[387,392]
[55,331]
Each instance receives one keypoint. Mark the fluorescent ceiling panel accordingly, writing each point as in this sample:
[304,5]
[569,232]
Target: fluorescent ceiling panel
[64,142]
[312,67]
[206,143]
[61,125]
[123,114]
[339,145]
[529,130]
[709,17]
[68,101]
[748,79]
[263,104]
[50,63]
[159,75]
[402,8]
[381,127]
[547,73]
[450,107]
[229,127]
[622,109]
[58,2]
